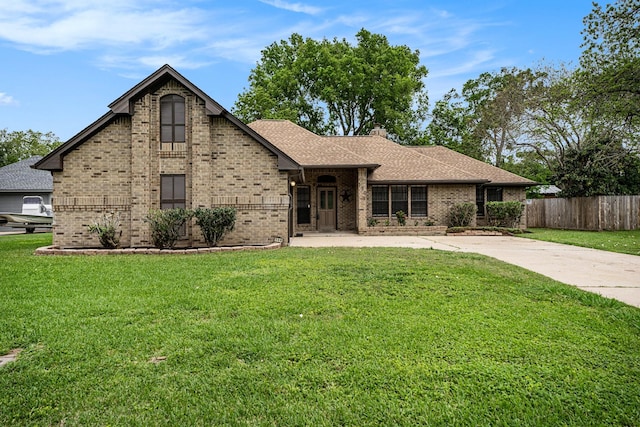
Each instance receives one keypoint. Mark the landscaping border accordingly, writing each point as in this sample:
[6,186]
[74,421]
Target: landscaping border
[55,250]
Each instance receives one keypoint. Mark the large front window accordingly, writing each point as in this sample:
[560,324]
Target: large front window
[386,200]
[172,121]
[399,199]
[419,200]
[380,200]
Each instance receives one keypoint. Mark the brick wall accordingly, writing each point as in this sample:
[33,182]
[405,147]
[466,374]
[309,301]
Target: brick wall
[119,169]
[440,199]
[96,179]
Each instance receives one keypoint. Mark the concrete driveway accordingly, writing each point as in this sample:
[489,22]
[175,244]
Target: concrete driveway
[606,273]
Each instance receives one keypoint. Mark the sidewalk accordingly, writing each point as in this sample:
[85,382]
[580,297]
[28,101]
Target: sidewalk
[609,274]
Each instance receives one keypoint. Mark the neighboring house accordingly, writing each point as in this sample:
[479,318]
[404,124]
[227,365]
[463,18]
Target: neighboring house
[20,179]
[165,143]
[548,191]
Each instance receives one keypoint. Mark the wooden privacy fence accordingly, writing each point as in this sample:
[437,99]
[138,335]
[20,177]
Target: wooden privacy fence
[585,213]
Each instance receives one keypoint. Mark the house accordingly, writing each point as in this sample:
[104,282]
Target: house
[165,144]
[20,179]
[548,191]
[347,180]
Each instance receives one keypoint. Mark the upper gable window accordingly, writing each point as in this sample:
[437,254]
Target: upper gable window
[172,120]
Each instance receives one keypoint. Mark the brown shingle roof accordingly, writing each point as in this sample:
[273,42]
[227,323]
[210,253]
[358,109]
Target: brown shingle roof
[494,174]
[307,148]
[393,163]
[399,164]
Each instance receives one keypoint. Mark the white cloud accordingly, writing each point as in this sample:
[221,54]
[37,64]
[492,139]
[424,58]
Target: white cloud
[134,62]
[293,7]
[477,60]
[91,28]
[133,36]
[7,99]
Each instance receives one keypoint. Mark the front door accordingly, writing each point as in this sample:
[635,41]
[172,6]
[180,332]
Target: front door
[326,208]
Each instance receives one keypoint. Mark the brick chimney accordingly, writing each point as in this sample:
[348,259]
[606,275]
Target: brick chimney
[377,130]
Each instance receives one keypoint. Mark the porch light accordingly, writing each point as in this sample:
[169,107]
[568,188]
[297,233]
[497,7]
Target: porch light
[293,183]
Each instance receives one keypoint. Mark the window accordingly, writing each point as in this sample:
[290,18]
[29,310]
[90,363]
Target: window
[418,201]
[303,205]
[399,199]
[494,194]
[172,191]
[480,200]
[380,200]
[172,120]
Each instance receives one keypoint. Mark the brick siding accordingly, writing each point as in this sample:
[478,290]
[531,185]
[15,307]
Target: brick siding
[118,170]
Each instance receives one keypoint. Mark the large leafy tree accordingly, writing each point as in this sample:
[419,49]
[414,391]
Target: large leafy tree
[498,104]
[610,60]
[451,126]
[19,145]
[334,87]
[599,167]
[484,121]
[554,119]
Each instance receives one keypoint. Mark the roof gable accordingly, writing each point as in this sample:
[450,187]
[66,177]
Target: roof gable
[123,106]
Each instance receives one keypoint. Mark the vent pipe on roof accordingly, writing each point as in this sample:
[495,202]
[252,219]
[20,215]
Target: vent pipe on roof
[378,130]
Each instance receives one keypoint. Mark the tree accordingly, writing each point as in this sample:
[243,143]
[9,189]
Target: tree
[610,60]
[484,121]
[19,145]
[334,87]
[498,103]
[601,167]
[451,126]
[554,119]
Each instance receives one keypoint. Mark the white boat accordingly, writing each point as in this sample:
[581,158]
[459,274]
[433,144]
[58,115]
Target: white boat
[35,214]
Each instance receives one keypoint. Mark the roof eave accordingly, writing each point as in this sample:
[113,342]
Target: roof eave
[427,181]
[25,190]
[511,184]
[339,166]
[53,161]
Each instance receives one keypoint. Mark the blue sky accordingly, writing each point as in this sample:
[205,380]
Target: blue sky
[63,61]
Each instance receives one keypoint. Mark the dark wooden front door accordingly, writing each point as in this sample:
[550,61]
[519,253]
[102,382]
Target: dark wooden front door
[326,208]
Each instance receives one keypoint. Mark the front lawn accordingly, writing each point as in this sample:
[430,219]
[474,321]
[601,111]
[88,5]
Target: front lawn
[626,242]
[332,336]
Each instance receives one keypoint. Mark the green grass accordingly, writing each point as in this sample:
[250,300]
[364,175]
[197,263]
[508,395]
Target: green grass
[626,242]
[307,337]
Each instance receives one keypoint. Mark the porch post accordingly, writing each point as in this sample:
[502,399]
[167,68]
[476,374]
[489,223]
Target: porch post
[361,200]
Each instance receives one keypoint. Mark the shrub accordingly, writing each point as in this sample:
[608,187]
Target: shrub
[166,226]
[372,222]
[504,214]
[402,218]
[461,214]
[215,223]
[107,230]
